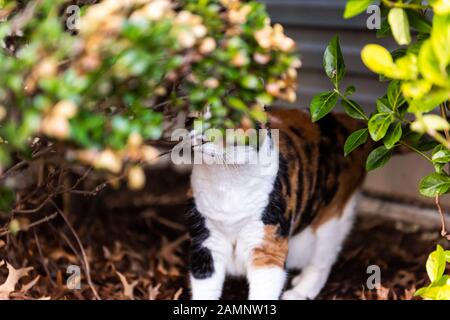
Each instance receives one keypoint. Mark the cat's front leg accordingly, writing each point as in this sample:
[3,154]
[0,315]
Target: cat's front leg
[207,276]
[266,283]
[208,257]
[266,274]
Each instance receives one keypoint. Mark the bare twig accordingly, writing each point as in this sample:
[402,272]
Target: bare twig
[444,232]
[24,163]
[41,255]
[39,207]
[53,194]
[83,252]
[393,4]
[34,224]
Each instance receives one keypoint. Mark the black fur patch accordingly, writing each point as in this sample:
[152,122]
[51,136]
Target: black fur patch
[284,174]
[202,263]
[330,165]
[274,212]
[298,132]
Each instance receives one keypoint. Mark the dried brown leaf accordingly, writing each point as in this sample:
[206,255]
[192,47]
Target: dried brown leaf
[115,256]
[128,288]
[26,287]
[409,293]
[14,275]
[153,292]
[382,293]
[177,294]
[61,254]
[169,250]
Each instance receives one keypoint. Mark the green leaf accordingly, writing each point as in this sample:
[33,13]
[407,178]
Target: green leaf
[406,67]
[322,104]
[442,156]
[333,61]
[419,21]
[434,292]
[356,139]
[383,105]
[447,256]
[436,264]
[237,104]
[7,198]
[379,124]
[416,89]
[440,39]
[355,7]
[394,94]
[377,59]
[398,20]
[393,135]
[440,7]
[429,101]
[385,29]
[430,122]
[378,158]
[429,65]
[434,184]
[251,82]
[14,227]
[350,91]
[354,110]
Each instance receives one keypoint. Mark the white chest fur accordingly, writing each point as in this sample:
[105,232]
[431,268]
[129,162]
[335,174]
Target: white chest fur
[232,198]
[230,193]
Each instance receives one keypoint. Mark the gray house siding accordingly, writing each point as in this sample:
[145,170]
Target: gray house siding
[312,23]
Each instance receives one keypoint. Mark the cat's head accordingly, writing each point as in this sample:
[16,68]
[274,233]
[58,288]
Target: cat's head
[231,147]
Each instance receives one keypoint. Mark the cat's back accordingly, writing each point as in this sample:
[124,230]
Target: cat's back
[315,173]
[328,135]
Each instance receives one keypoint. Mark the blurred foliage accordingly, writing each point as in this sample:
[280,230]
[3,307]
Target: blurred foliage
[413,112]
[439,288]
[100,80]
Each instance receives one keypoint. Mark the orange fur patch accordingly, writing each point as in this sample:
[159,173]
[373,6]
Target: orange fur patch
[273,251]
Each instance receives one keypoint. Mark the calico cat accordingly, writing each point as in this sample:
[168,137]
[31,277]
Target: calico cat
[292,212]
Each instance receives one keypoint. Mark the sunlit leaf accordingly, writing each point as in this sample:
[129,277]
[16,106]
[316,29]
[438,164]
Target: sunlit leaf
[322,104]
[355,7]
[398,20]
[333,61]
[378,158]
[356,139]
[434,184]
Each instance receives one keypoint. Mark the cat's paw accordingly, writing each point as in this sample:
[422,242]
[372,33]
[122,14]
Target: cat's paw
[293,295]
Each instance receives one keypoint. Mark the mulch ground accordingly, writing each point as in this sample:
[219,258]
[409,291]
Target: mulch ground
[136,248]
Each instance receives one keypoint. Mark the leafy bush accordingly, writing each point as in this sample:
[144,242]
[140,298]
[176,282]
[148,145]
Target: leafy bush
[439,289]
[128,75]
[413,112]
